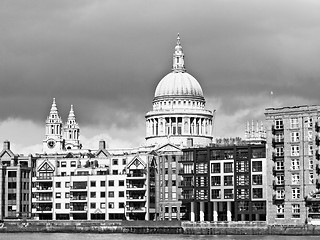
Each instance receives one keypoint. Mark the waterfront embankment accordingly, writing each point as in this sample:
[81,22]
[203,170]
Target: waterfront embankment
[158,227]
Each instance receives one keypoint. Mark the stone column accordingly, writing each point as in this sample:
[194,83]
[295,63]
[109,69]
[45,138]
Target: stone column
[192,215]
[229,214]
[215,211]
[201,211]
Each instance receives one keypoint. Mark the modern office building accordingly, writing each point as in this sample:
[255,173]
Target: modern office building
[293,164]
[224,183]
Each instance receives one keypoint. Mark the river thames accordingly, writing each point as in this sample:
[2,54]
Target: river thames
[87,236]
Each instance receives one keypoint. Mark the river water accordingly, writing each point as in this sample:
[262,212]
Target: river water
[89,236]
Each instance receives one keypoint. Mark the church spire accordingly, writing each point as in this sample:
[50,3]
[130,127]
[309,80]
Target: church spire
[178,57]
[71,117]
[54,109]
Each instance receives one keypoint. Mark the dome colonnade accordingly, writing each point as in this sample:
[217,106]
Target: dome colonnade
[179,108]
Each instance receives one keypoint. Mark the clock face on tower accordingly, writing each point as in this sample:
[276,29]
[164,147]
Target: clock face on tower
[51,143]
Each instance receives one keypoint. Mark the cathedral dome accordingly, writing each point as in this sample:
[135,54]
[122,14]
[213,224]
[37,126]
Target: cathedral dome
[178,84]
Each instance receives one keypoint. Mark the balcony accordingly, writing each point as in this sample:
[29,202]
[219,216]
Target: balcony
[42,189]
[317,127]
[43,210]
[136,175]
[136,198]
[135,209]
[44,178]
[78,199]
[276,156]
[44,199]
[317,169]
[276,198]
[186,184]
[274,129]
[78,188]
[136,186]
[317,141]
[277,141]
[276,184]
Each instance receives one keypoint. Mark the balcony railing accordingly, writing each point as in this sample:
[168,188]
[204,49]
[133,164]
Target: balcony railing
[44,177]
[140,175]
[186,184]
[277,141]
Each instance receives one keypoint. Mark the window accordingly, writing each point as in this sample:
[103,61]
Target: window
[295,164]
[67,205]
[228,167]
[228,194]
[111,194]
[278,124]
[215,168]
[295,193]
[111,183]
[279,151]
[102,205]
[295,150]
[257,166]
[311,166]
[279,179]
[58,205]
[102,183]
[63,164]
[257,192]
[73,164]
[102,194]
[58,184]
[93,194]
[67,195]
[310,150]
[294,123]
[121,182]
[280,211]
[280,165]
[257,179]
[121,204]
[311,178]
[279,137]
[295,178]
[173,183]
[121,194]
[216,180]
[295,210]
[114,172]
[280,193]
[111,205]
[242,180]
[114,161]
[310,135]
[309,122]
[216,193]
[12,174]
[295,137]
[12,184]
[58,195]
[124,161]
[92,205]
[93,183]
[228,180]
[166,171]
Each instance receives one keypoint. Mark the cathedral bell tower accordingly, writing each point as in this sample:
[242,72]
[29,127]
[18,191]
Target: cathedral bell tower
[53,141]
[71,132]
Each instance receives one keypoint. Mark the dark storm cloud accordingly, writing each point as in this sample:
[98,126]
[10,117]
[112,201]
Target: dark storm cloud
[106,57]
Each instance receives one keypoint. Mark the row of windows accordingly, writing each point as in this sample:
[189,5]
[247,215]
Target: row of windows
[295,193]
[294,122]
[295,164]
[111,194]
[294,151]
[295,210]
[242,166]
[111,205]
[111,183]
[95,162]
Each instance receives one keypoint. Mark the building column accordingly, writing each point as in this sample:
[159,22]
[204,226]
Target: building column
[201,211]
[19,188]
[229,214]
[215,211]
[192,215]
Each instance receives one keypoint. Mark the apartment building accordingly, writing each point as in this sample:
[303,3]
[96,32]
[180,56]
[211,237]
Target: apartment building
[224,183]
[293,164]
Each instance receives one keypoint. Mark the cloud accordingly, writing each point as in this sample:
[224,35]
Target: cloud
[106,58]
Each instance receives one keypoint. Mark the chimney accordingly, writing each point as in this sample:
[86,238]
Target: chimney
[102,144]
[189,142]
[6,145]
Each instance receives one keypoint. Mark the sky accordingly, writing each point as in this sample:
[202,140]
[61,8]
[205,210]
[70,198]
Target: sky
[106,58]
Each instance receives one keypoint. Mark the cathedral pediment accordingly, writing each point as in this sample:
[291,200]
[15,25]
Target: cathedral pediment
[168,148]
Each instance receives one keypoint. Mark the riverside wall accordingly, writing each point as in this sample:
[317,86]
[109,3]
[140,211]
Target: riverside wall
[158,227]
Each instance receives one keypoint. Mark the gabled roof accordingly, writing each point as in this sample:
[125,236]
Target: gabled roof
[6,154]
[136,163]
[45,166]
[168,147]
[102,153]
